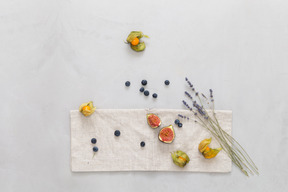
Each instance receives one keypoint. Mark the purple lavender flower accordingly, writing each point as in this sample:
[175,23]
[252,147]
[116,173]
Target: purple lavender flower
[188,94]
[211,93]
[199,109]
[189,83]
[185,103]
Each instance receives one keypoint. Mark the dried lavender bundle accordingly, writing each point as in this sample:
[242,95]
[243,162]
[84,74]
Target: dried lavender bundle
[208,120]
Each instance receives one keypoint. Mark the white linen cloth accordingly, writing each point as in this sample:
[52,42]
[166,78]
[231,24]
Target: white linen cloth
[124,153]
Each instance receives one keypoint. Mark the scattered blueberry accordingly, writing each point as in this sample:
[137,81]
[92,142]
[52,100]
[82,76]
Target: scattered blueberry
[93,140]
[167,82]
[177,121]
[146,93]
[127,83]
[180,125]
[95,149]
[117,133]
[154,95]
[144,82]
[141,89]
[142,144]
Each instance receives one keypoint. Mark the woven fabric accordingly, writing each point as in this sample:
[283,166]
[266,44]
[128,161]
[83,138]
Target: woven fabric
[124,153]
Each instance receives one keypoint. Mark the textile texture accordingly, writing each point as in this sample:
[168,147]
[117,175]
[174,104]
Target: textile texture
[124,153]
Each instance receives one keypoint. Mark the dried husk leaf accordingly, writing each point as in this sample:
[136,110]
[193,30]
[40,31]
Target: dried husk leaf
[180,158]
[211,153]
[203,144]
[87,112]
[206,151]
[140,47]
[133,35]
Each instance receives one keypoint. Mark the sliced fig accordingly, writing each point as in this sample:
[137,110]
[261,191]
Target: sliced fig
[167,134]
[153,120]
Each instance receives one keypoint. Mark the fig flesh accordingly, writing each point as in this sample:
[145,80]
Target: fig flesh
[153,120]
[167,134]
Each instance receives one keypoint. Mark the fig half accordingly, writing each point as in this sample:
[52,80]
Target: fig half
[167,134]
[153,120]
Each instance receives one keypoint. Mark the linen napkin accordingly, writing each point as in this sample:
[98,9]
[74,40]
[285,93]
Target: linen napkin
[124,153]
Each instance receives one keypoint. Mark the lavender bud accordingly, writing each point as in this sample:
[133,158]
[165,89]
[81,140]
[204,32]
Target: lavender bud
[186,93]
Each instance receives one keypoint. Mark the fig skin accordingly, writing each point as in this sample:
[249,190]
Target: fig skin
[151,124]
[161,137]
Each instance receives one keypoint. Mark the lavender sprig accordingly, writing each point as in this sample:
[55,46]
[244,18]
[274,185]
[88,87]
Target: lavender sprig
[211,93]
[199,109]
[188,94]
[189,83]
[233,149]
[185,103]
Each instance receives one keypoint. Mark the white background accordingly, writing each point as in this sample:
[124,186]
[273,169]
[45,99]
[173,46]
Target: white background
[57,54]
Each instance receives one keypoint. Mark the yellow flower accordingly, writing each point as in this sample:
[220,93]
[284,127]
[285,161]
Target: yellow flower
[206,151]
[87,108]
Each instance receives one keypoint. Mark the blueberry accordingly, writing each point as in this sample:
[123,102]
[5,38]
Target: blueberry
[127,83]
[177,121]
[154,95]
[141,89]
[146,93]
[144,82]
[142,144]
[167,82]
[180,125]
[117,133]
[95,149]
[93,140]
